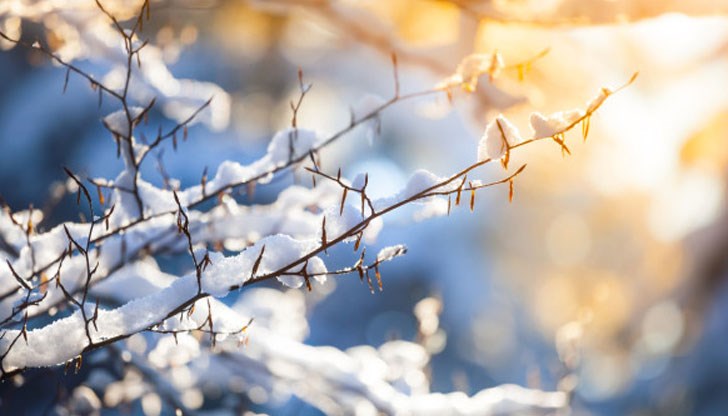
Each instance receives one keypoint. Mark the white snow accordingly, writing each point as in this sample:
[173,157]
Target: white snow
[472,67]
[390,252]
[339,223]
[298,140]
[68,336]
[418,182]
[390,379]
[174,351]
[14,235]
[117,121]
[552,124]
[499,135]
[597,101]
[278,154]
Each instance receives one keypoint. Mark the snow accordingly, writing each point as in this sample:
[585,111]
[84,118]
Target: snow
[313,267]
[296,213]
[174,351]
[280,250]
[68,335]
[359,181]
[418,182]
[117,122]
[390,379]
[290,214]
[14,235]
[278,154]
[298,140]
[283,312]
[503,400]
[434,207]
[421,180]
[597,101]
[190,96]
[471,68]
[228,172]
[553,124]
[43,248]
[338,223]
[390,252]
[136,279]
[499,135]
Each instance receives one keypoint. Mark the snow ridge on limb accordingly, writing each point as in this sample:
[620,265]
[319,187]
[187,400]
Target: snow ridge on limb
[65,338]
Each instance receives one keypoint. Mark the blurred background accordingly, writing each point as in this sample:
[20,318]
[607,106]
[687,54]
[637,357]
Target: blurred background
[608,270]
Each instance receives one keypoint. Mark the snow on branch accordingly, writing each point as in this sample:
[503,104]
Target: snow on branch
[81,286]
